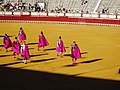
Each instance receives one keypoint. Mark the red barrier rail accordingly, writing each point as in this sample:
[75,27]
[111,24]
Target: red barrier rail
[61,19]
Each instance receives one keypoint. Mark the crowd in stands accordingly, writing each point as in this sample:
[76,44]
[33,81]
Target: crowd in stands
[20,6]
[84,2]
[8,6]
[59,9]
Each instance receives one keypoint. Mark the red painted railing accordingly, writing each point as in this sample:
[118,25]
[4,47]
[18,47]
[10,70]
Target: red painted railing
[61,19]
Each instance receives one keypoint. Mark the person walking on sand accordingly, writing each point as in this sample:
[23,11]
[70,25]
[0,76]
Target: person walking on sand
[42,41]
[25,52]
[16,47]
[22,35]
[7,42]
[60,47]
[75,52]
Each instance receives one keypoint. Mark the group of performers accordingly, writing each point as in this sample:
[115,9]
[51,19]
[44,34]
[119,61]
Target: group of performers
[20,46]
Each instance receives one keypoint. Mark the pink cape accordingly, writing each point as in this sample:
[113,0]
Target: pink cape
[75,52]
[22,36]
[7,42]
[25,53]
[60,47]
[16,46]
[42,41]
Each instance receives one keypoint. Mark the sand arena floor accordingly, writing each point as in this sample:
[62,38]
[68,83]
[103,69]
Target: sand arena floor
[100,48]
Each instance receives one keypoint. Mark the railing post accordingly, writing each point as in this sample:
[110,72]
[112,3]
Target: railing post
[64,13]
[30,13]
[12,13]
[47,12]
[98,14]
[81,13]
[116,15]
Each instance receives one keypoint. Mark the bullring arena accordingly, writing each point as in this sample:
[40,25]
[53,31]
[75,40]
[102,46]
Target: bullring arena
[98,39]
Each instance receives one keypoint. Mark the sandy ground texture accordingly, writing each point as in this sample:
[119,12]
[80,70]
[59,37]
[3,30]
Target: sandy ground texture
[96,70]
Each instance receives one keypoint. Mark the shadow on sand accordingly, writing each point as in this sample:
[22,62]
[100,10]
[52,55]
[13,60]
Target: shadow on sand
[10,64]
[70,65]
[31,48]
[33,61]
[21,79]
[33,43]
[49,49]
[2,36]
[35,55]
[43,60]
[5,55]
[81,53]
[91,61]
[1,45]
[84,52]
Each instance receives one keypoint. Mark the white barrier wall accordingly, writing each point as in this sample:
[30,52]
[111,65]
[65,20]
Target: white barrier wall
[73,15]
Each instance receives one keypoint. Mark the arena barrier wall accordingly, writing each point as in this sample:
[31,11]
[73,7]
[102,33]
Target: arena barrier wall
[60,19]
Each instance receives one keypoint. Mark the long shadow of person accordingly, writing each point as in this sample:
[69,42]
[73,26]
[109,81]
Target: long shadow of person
[43,60]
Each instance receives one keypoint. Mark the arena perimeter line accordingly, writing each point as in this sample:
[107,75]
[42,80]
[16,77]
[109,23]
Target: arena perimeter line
[56,22]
